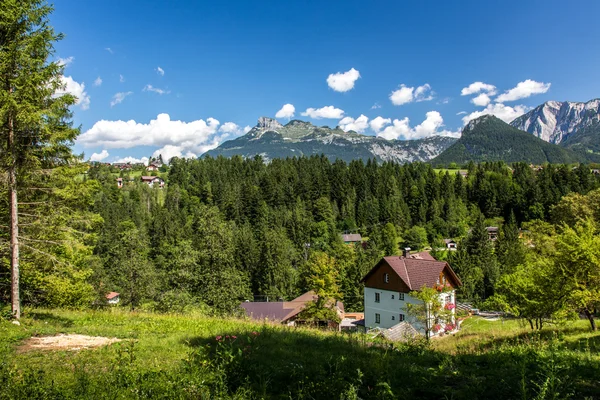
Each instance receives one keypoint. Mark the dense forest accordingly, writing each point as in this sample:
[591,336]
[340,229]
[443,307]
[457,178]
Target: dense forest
[227,230]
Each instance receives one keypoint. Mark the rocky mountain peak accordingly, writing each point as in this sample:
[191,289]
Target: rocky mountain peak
[268,124]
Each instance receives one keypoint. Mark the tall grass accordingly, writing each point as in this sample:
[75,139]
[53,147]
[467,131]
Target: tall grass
[192,356]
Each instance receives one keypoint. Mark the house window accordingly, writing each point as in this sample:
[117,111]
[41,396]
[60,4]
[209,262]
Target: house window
[400,317]
[376,297]
[401,296]
[386,278]
[377,318]
[392,297]
[393,318]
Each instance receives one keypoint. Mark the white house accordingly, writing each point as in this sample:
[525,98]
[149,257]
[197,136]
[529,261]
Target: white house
[113,298]
[153,180]
[388,284]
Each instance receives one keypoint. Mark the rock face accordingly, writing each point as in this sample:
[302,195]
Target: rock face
[268,124]
[270,140]
[556,121]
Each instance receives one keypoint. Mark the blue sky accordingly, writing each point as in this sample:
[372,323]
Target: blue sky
[227,63]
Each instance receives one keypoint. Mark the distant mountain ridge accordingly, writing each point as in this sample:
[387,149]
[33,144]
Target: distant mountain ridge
[488,138]
[270,139]
[573,125]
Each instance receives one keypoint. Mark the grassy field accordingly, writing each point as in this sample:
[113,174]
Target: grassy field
[176,356]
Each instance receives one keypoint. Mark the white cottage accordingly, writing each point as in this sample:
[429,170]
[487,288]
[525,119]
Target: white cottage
[388,284]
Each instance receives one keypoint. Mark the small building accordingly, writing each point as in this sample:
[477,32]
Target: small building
[113,298]
[351,238]
[153,180]
[119,183]
[492,232]
[450,244]
[287,312]
[153,167]
[353,322]
[390,281]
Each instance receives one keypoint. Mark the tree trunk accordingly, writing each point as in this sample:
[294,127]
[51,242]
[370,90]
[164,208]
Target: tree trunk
[14,223]
[590,318]
[530,323]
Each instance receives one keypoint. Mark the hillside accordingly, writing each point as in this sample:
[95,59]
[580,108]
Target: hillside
[190,356]
[488,138]
[272,140]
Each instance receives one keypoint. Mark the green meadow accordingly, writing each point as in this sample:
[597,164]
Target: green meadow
[194,356]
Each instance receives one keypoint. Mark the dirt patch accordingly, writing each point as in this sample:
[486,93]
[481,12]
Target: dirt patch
[65,342]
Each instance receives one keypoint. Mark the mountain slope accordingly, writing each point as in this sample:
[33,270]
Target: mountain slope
[560,122]
[488,138]
[272,140]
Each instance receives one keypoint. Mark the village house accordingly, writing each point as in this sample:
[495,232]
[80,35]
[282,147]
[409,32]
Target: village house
[287,312]
[351,238]
[113,298]
[388,286]
[492,232]
[153,180]
[153,167]
[450,244]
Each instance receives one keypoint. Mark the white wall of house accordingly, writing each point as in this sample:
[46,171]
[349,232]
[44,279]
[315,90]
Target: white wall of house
[391,305]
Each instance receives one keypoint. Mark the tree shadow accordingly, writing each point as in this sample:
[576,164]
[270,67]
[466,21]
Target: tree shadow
[50,318]
[280,362]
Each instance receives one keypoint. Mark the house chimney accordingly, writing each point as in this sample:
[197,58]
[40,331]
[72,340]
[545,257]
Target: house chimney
[406,252]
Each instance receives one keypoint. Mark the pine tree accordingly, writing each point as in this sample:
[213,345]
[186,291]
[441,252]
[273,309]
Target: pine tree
[35,127]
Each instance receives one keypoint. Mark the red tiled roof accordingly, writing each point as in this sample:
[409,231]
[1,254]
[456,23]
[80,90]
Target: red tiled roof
[282,310]
[417,270]
[112,295]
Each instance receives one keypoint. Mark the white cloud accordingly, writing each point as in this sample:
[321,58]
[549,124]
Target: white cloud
[477,87]
[160,71]
[406,94]
[98,81]
[76,89]
[424,93]
[231,128]
[461,113]
[359,124]
[247,128]
[109,50]
[150,88]
[505,113]
[65,62]
[329,112]
[99,156]
[121,78]
[119,97]
[378,123]
[482,100]
[375,106]
[170,151]
[402,96]
[175,138]
[287,111]
[400,128]
[133,160]
[343,81]
[523,90]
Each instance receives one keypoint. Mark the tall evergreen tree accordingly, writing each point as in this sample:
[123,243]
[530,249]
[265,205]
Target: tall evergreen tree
[35,125]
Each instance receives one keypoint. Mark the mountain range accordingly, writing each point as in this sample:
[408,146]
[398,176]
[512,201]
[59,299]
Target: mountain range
[552,132]
[270,140]
[568,124]
[488,138]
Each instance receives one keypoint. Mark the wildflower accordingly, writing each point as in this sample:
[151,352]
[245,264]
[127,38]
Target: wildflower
[255,333]
[234,337]
[219,338]
[227,337]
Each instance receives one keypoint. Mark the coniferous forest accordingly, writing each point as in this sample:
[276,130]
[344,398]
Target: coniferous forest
[227,230]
